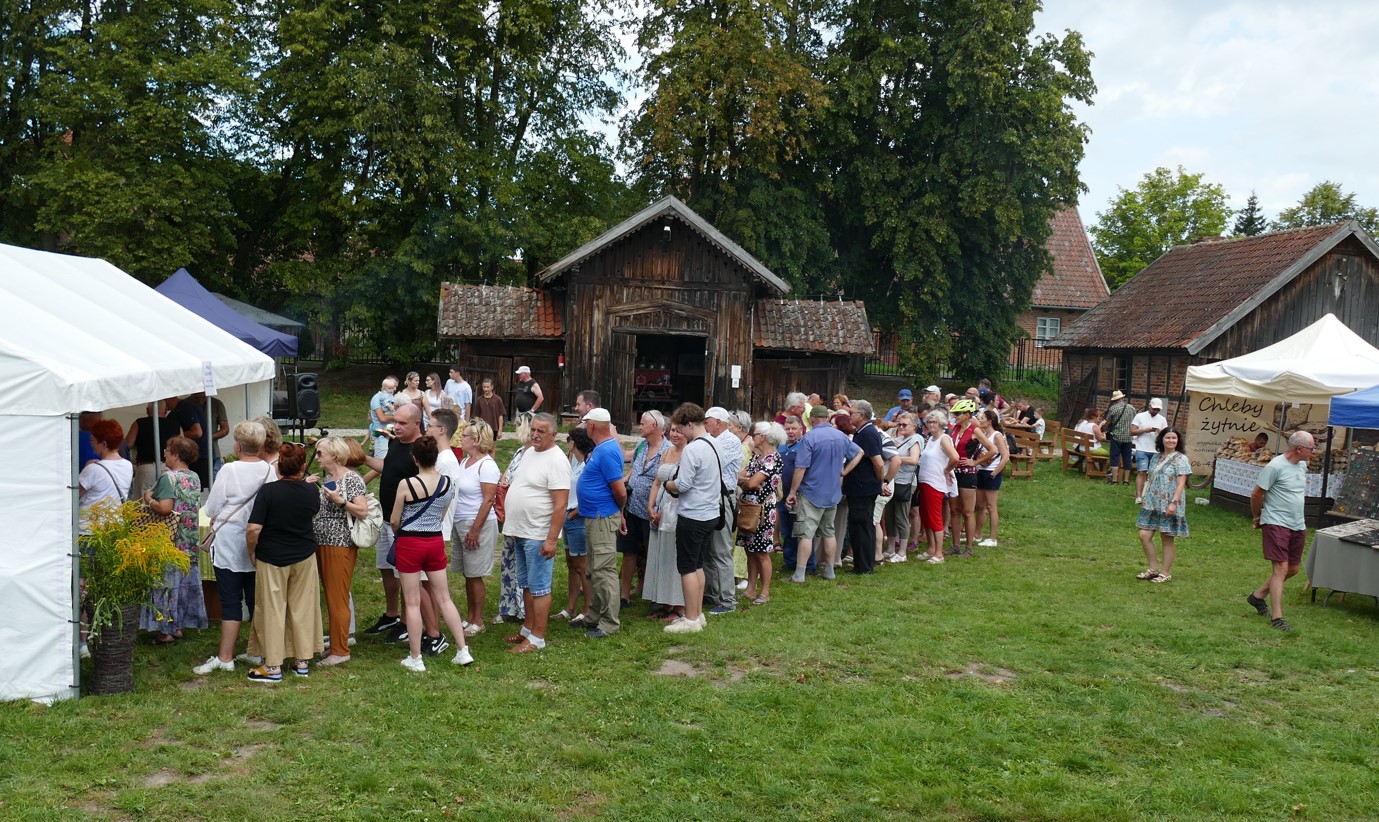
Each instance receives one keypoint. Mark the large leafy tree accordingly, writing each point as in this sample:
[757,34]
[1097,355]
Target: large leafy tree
[115,129]
[1165,209]
[1327,203]
[729,122]
[403,143]
[952,145]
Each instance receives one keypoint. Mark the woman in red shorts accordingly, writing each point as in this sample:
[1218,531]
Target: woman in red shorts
[937,460]
[417,517]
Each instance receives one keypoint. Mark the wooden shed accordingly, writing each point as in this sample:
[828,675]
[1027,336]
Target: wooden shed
[1212,300]
[658,310]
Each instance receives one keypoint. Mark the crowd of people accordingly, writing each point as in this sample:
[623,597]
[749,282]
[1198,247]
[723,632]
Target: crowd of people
[696,507]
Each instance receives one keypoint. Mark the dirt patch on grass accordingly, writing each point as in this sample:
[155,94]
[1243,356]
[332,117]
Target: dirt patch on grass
[159,779]
[676,667]
[984,672]
[261,725]
[97,806]
[541,684]
[582,806]
[1172,686]
[195,684]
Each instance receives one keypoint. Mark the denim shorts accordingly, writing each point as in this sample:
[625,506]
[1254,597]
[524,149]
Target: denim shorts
[1142,459]
[533,570]
[575,543]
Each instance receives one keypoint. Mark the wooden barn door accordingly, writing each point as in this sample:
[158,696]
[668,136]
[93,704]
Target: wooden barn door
[620,374]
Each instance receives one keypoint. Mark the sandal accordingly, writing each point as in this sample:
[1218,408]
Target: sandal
[761,600]
[564,614]
[1147,573]
[162,639]
[514,639]
[1161,578]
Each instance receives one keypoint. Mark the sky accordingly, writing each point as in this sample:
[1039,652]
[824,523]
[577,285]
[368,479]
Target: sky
[1263,95]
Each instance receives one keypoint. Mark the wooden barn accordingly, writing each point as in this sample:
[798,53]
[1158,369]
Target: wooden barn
[658,310]
[1212,300]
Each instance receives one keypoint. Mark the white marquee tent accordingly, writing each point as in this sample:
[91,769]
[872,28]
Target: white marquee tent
[1312,366]
[79,334]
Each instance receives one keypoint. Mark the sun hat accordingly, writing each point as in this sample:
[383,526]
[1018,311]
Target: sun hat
[1117,395]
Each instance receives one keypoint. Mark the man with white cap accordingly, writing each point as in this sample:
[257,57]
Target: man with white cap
[718,569]
[933,397]
[602,496]
[1145,428]
[527,394]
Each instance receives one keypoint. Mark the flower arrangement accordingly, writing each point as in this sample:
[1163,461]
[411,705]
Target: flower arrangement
[123,558]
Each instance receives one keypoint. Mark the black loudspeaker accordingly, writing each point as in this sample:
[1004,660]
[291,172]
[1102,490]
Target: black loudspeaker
[303,397]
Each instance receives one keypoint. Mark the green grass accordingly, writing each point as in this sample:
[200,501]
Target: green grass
[1037,681]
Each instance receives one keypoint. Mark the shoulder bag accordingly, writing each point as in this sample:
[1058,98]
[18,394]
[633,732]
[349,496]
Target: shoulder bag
[208,541]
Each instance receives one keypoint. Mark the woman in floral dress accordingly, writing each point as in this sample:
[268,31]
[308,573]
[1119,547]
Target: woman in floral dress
[179,604]
[510,605]
[760,482]
[1164,508]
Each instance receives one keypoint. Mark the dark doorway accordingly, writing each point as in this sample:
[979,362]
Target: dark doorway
[669,371]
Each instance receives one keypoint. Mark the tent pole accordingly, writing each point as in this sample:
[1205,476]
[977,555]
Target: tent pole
[1326,473]
[75,486]
[157,440]
[210,440]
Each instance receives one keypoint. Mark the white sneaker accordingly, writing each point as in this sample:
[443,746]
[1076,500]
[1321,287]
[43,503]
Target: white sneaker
[1139,500]
[85,651]
[742,585]
[249,659]
[894,558]
[686,626]
[414,663]
[703,620]
[462,657]
[987,543]
[213,664]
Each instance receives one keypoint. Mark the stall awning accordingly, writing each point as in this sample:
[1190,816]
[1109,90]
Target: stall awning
[1312,366]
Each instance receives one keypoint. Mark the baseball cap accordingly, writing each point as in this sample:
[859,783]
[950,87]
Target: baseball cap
[597,415]
[906,394]
[1156,404]
[819,412]
[524,370]
[933,389]
[718,412]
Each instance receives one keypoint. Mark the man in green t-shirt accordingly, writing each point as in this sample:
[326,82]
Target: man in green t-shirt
[1277,505]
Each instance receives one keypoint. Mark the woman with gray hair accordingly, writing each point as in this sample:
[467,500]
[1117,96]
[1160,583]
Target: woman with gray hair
[342,493]
[760,483]
[646,458]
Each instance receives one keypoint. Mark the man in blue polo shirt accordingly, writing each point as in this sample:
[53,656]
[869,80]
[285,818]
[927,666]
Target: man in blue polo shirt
[602,496]
[824,457]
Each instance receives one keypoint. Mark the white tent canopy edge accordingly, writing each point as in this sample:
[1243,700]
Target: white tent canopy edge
[79,334]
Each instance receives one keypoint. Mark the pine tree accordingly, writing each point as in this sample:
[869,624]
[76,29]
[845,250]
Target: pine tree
[1250,221]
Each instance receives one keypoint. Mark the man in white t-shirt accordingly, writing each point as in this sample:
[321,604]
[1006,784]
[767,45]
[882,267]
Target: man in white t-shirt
[461,392]
[535,508]
[1145,428]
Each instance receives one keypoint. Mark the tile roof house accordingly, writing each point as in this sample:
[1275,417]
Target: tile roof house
[1073,286]
[662,308]
[1212,300]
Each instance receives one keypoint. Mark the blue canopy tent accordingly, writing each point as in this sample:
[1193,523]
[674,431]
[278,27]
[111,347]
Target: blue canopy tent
[1358,410]
[183,289]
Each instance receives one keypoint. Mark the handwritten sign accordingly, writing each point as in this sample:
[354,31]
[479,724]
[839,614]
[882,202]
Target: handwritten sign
[208,378]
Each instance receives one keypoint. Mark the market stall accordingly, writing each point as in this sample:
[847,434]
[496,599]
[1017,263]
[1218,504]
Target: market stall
[1279,389]
[1345,557]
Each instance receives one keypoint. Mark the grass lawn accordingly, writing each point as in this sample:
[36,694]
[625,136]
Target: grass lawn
[1039,680]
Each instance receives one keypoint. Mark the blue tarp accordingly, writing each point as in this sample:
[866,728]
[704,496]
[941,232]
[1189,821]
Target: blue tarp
[183,289]
[1358,410]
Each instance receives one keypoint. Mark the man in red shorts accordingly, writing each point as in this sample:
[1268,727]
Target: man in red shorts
[1277,503]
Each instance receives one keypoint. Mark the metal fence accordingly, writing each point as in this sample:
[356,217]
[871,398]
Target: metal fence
[1029,361]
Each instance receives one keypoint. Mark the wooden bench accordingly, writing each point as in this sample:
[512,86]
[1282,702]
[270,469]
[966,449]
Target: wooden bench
[1023,446]
[1075,445]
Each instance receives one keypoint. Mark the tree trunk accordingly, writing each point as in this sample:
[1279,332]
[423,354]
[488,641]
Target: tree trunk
[114,655]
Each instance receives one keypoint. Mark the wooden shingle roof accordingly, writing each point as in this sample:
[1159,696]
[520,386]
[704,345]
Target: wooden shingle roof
[1076,280]
[498,312]
[1194,293]
[822,326]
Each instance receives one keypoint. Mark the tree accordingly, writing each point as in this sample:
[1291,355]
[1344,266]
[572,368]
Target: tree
[1250,221]
[1166,209]
[729,123]
[1326,204]
[950,144]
